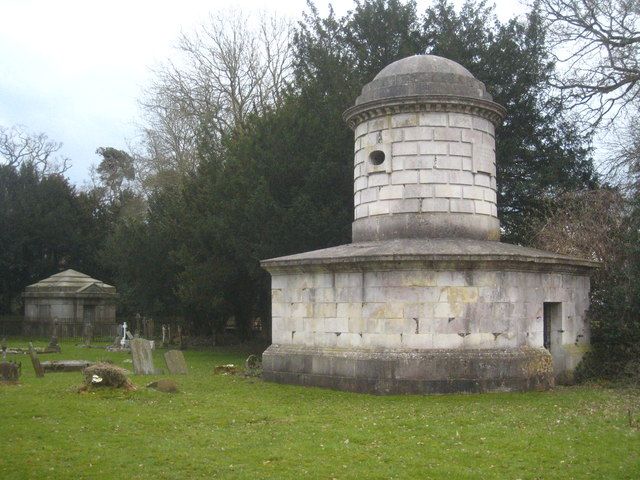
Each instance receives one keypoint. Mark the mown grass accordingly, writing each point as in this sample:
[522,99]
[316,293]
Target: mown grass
[223,426]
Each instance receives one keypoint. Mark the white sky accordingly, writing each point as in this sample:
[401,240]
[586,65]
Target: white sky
[74,69]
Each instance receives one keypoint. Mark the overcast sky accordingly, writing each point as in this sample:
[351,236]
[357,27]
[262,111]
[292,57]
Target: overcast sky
[74,69]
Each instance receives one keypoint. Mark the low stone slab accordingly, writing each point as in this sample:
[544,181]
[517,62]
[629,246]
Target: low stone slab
[142,357]
[175,362]
[65,365]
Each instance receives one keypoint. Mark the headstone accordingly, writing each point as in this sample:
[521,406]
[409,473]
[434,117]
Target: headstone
[181,340]
[53,345]
[88,333]
[148,327]
[9,371]
[54,328]
[175,362]
[37,367]
[142,356]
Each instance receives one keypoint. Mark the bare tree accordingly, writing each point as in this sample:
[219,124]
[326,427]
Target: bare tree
[226,71]
[587,224]
[18,146]
[621,164]
[598,44]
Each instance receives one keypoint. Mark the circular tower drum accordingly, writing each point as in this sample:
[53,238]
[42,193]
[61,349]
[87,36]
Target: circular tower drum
[425,153]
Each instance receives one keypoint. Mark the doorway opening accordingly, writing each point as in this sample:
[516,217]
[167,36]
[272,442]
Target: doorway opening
[89,314]
[552,324]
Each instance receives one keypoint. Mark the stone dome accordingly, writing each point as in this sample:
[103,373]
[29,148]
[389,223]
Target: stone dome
[422,64]
[423,75]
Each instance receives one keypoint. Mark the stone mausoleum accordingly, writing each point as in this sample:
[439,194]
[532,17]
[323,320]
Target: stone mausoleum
[426,299]
[70,297]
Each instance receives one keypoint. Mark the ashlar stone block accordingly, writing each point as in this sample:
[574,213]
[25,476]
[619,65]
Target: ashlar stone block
[404,120]
[435,205]
[433,148]
[433,119]
[404,177]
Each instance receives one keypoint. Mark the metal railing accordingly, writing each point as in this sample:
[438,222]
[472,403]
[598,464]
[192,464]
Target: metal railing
[17,326]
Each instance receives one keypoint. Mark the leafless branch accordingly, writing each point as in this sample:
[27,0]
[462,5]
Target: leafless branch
[18,146]
[226,70]
[598,44]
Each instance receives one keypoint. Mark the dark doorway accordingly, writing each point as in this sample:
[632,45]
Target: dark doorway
[552,324]
[44,312]
[89,314]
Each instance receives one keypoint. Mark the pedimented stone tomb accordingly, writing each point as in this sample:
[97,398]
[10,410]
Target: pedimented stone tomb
[426,299]
[70,297]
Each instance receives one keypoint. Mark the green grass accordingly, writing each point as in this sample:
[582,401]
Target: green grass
[229,427]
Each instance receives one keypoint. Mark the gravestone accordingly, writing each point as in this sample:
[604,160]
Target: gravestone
[53,343]
[53,346]
[87,333]
[37,367]
[9,371]
[142,356]
[175,362]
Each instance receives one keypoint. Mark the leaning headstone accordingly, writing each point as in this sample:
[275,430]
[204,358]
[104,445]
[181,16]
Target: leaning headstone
[142,356]
[37,367]
[175,362]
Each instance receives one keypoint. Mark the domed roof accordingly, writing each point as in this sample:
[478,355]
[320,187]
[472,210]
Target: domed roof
[423,76]
[422,64]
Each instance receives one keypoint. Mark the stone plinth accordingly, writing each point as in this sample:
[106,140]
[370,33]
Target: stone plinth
[385,371]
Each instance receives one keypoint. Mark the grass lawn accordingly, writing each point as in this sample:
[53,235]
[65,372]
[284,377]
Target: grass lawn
[222,426]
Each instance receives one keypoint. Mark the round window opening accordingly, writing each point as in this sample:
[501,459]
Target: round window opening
[376,157]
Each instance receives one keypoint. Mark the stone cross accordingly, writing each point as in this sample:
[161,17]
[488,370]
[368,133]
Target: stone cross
[123,342]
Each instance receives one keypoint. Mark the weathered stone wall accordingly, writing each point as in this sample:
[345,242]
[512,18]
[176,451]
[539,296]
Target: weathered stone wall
[70,309]
[418,309]
[438,165]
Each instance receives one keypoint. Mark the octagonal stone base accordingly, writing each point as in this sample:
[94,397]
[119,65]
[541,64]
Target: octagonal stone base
[427,316]
[418,371]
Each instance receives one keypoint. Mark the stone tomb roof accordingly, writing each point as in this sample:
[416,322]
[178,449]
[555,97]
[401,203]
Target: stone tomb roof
[437,252]
[70,282]
[423,75]
[423,82]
